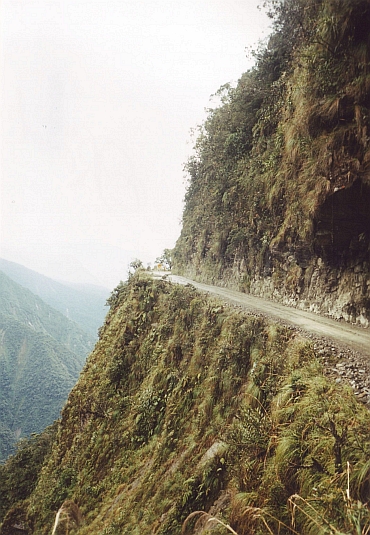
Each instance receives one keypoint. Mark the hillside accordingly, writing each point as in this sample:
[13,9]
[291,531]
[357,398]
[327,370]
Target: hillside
[186,405]
[36,376]
[83,304]
[279,184]
[22,305]
[41,355]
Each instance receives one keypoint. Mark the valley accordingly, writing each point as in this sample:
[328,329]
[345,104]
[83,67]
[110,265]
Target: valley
[42,352]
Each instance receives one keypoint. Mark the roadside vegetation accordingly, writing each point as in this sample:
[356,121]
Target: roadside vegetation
[186,406]
[280,171]
[190,416]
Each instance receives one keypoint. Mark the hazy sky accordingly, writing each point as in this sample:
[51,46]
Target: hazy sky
[97,101]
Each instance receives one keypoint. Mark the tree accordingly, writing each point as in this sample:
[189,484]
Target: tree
[165,259]
[136,264]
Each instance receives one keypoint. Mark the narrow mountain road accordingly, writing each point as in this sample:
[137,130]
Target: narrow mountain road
[343,349]
[346,334]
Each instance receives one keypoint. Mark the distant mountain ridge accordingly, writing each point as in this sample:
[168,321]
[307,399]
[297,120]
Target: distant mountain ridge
[22,305]
[84,304]
[41,355]
[36,375]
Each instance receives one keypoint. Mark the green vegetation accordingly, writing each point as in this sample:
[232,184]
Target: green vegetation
[280,172]
[22,305]
[41,356]
[185,406]
[83,304]
[36,376]
[165,260]
[193,417]
[18,477]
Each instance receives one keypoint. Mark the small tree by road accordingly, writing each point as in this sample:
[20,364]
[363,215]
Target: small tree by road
[165,260]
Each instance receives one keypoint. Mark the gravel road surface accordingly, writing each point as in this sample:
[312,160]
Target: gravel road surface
[346,334]
[343,349]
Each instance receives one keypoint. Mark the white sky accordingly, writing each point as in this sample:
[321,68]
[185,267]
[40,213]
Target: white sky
[97,101]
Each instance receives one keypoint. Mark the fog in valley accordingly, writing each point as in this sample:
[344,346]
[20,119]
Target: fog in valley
[98,100]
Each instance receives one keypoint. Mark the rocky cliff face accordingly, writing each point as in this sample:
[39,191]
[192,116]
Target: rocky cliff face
[279,189]
[331,275]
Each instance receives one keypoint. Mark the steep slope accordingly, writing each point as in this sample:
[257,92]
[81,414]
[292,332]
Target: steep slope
[36,376]
[19,476]
[279,185]
[7,438]
[185,406]
[82,304]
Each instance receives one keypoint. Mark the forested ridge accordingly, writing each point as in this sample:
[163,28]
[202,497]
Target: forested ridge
[24,306]
[41,355]
[83,305]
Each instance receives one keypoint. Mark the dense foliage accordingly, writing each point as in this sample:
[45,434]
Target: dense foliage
[18,476]
[186,405]
[280,172]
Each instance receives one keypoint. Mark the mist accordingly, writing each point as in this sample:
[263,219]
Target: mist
[98,100]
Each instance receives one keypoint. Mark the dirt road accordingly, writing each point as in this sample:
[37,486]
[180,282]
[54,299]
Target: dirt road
[344,334]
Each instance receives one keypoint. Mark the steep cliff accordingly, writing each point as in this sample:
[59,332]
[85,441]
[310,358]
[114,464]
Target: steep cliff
[187,406]
[279,185]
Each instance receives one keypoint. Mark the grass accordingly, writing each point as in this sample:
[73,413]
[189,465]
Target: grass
[233,425]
